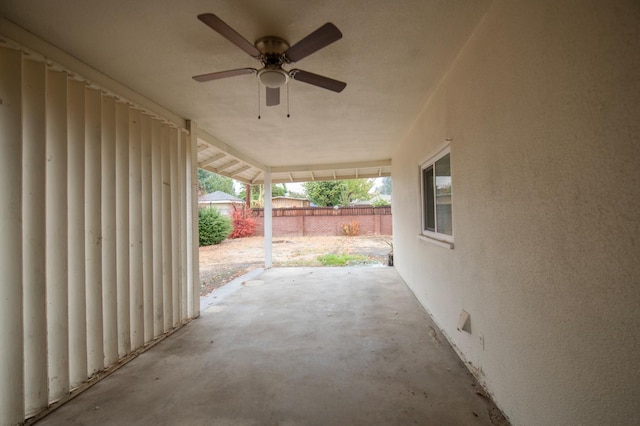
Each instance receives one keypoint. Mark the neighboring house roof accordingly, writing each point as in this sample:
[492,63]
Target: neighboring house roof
[219,197]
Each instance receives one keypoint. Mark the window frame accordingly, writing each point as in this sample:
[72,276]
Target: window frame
[425,233]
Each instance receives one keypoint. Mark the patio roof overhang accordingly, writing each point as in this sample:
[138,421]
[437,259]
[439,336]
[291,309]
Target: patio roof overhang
[218,157]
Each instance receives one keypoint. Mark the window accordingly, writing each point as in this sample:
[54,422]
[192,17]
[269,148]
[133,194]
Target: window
[436,197]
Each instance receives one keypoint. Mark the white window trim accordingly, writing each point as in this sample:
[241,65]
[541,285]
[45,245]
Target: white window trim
[439,239]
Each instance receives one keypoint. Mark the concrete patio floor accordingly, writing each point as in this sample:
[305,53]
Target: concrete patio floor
[295,346]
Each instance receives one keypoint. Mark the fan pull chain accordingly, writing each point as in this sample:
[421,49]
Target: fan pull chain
[258,81]
[288,101]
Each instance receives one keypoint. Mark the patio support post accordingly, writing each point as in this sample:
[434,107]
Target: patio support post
[75,220]
[33,229]
[56,235]
[268,220]
[11,322]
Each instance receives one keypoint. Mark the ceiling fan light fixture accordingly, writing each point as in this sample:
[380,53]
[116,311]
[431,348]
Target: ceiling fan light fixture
[273,77]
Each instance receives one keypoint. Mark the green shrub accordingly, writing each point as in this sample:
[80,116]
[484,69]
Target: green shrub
[213,228]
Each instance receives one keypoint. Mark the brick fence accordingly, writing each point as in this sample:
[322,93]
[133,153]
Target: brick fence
[303,221]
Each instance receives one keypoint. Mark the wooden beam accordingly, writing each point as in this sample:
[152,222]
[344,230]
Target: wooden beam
[212,160]
[240,170]
[227,165]
[332,166]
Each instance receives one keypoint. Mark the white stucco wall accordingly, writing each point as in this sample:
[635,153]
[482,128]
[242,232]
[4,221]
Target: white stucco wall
[543,106]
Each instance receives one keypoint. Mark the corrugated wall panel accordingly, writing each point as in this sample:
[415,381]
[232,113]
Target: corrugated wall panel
[135,230]
[75,220]
[167,249]
[57,255]
[109,247]
[11,321]
[94,199]
[93,234]
[33,228]
[156,219]
[147,228]
[174,184]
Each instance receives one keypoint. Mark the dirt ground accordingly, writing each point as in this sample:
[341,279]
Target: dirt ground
[222,263]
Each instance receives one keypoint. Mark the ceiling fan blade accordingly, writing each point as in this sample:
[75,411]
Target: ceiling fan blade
[273,96]
[318,80]
[223,74]
[219,26]
[322,37]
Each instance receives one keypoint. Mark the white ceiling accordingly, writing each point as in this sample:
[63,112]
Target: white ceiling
[392,56]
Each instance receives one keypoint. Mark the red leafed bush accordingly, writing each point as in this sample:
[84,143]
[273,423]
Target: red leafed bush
[243,224]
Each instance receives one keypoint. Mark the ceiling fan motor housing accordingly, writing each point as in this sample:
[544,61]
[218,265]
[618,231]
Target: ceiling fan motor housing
[273,76]
[272,50]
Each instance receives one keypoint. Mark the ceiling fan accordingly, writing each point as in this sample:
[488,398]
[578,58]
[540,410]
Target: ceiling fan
[273,53]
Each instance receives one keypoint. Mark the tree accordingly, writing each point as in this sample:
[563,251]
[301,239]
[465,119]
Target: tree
[357,189]
[338,192]
[210,182]
[385,186]
[324,193]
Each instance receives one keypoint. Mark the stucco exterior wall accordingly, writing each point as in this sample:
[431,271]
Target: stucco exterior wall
[542,107]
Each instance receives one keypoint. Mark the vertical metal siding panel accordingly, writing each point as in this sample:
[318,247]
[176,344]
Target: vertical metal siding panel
[195,244]
[175,226]
[57,234]
[156,166]
[135,230]
[167,248]
[193,280]
[109,246]
[268,220]
[11,315]
[184,137]
[33,228]
[122,228]
[147,229]
[75,223]
[93,232]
